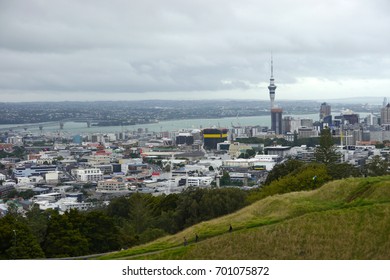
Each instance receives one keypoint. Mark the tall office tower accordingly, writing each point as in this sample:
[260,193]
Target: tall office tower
[286,126]
[272,86]
[384,102]
[276,120]
[385,114]
[325,110]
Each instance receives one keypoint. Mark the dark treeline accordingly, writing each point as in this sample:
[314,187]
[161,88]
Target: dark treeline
[125,222]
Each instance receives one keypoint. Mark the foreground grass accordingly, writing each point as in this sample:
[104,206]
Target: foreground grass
[346,219]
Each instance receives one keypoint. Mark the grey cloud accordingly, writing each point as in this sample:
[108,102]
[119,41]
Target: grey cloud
[184,46]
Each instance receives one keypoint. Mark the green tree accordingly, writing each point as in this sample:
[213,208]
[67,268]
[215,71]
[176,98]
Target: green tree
[167,221]
[168,202]
[225,179]
[283,169]
[119,207]
[101,232]
[295,141]
[196,205]
[63,239]
[342,170]
[326,152]
[37,222]
[377,167]
[218,202]
[140,213]
[17,241]
[307,177]
[249,153]
[12,194]
[126,234]
[250,140]
[26,194]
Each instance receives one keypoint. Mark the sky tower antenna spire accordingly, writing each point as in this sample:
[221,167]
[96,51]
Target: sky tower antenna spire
[272,86]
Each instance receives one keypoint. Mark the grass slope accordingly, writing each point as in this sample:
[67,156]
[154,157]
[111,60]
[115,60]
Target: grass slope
[345,219]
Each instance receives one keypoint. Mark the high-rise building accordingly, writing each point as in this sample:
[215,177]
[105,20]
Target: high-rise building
[385,114]
[287,124]
[213,136]
[276,113]
[327,121]
[272,86]
[371,119]
[351,118]
[276,120]
[306,122]
[325,110]
[184,139]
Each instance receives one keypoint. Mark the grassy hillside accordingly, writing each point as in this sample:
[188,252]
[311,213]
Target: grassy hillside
[345,219]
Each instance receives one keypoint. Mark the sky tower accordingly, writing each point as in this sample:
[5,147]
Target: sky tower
[276,113]
[272,86]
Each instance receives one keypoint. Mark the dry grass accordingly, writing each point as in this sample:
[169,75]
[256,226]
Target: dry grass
[345,219]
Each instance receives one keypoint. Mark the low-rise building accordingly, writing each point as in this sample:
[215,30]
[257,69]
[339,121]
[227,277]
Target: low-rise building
[88,174]
[281,151]
[99,159]
[33,170]
[64,204]
[29,181]
[265,162]
[199,181]
[114,185]
[52,177]
[51,197]
[5,190]
[68,203]
[307,132]
[237,148]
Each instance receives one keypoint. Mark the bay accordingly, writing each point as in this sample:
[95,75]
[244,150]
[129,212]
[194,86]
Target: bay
[171,125]
[73,128]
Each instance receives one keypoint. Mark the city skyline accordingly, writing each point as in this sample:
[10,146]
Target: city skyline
[81,51]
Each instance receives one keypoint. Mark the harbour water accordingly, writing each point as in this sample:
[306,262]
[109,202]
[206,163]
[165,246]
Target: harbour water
[172,125]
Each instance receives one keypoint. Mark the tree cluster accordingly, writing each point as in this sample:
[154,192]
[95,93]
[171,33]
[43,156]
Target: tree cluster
[125,222]
[294,175]
[225,180]
[305,177]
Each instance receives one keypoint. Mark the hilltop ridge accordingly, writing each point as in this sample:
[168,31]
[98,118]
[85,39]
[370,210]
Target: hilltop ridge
[344,219]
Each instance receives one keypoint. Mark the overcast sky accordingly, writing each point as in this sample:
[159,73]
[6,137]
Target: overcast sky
[181,49]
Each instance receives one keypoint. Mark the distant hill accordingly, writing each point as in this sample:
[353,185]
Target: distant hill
[344,219]
[372,100]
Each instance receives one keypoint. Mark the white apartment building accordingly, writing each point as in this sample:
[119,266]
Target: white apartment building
[29,180]
[237,148]
[15,140]
[68,203]
[64,204]
[50,197]
[199,181]
[88,174]
[52,177]
[97,159]
[112,186]
[259,161]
